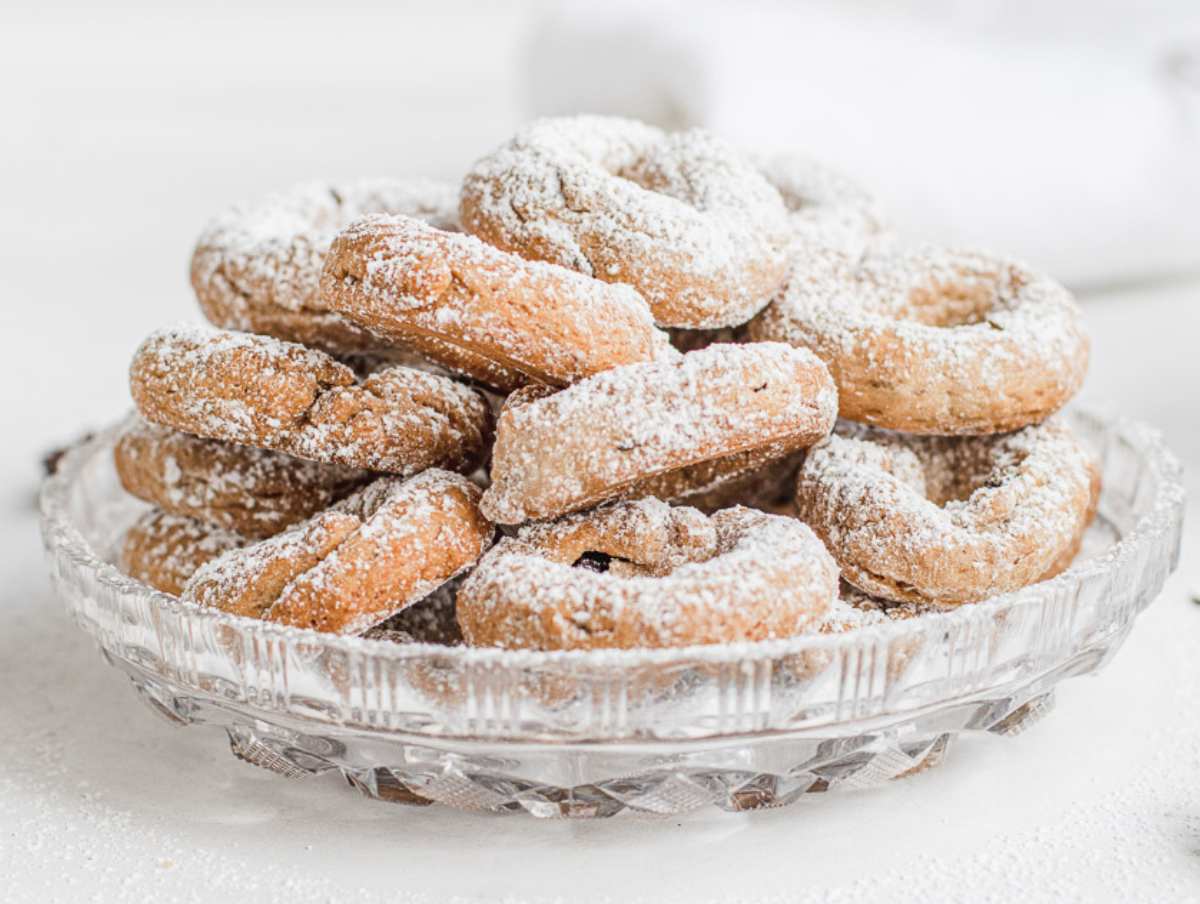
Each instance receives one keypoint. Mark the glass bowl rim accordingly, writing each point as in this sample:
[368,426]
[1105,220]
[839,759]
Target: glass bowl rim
[66,538]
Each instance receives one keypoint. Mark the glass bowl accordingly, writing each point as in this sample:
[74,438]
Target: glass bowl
[737,726]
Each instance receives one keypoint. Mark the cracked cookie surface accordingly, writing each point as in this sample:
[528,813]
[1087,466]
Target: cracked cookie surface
[271,394]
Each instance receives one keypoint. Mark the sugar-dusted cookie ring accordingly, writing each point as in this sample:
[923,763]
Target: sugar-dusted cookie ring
[825,208]
[165,550]
[264,392]
[252,492]
[683,218]
[257,267]
[531,322]
[356,564]
[667,429]
[934,342]
[644,574]
[947,519]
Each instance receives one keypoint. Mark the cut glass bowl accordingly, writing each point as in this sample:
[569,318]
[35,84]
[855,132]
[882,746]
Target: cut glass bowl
[737,726]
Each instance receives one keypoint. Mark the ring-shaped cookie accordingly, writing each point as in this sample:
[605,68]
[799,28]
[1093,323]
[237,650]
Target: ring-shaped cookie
[667,429]
[260,391]
[252,492]
[934,342]
[825,208]
[257,267]
[682,217]
[357,563]
[644,574]
[439,291]
[165,550]
[947,520]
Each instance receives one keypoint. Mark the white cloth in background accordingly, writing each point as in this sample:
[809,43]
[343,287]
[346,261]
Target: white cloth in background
[1065,147]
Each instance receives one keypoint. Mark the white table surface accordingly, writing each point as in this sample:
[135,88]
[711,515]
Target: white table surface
[117,145]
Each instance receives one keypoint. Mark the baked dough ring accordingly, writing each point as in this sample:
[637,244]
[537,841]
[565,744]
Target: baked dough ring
[826,209]
[256,268]
[356,564]
[667,429]
[947,519]
[165,550]
[436,291]
[934,342]
[252,492]
[648,575]
[682,217]
[263,392]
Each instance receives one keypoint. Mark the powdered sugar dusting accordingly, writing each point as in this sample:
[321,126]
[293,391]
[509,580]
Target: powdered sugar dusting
[264,259]
[407,281]
[758,576]
[941,518]
[950,310]
[260,391]
[633,422]
[826,209]
[165,550]
[682,217]
[335,568]
[252,491]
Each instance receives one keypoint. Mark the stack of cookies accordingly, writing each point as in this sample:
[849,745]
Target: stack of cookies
[590,398]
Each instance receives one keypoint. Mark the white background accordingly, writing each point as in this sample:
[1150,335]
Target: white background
[120,131]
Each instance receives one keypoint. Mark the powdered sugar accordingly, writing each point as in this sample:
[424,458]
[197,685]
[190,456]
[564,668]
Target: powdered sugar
[357,563]
[682,217]
[264,392]
[254,492]
[946,519]
[949,309]
[270,253]
[634,422]
[754,576]
[826,209]
[407,281]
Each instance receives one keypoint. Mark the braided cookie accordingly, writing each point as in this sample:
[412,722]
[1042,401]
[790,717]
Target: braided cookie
[667,429]
[644,574]
[257,267]
[947,520]
[263,392]
[934,342]
[165,550]
[252,492]
[437,291]
[683,218]
[825,208]
[356,564]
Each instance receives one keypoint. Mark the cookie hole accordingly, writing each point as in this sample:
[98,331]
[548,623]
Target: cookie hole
[959,470]
[950,305]
[593,561]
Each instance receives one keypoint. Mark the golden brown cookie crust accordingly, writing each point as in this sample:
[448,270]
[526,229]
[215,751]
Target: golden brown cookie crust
[666,428]
[683,218]
[644,574]
[947,520]
[252,492]
[530,322]
[165,550]
[358,563]
[934,342]
[270,394]
[257,267]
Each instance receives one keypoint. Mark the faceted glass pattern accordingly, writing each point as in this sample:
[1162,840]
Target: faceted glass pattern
[590,734]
